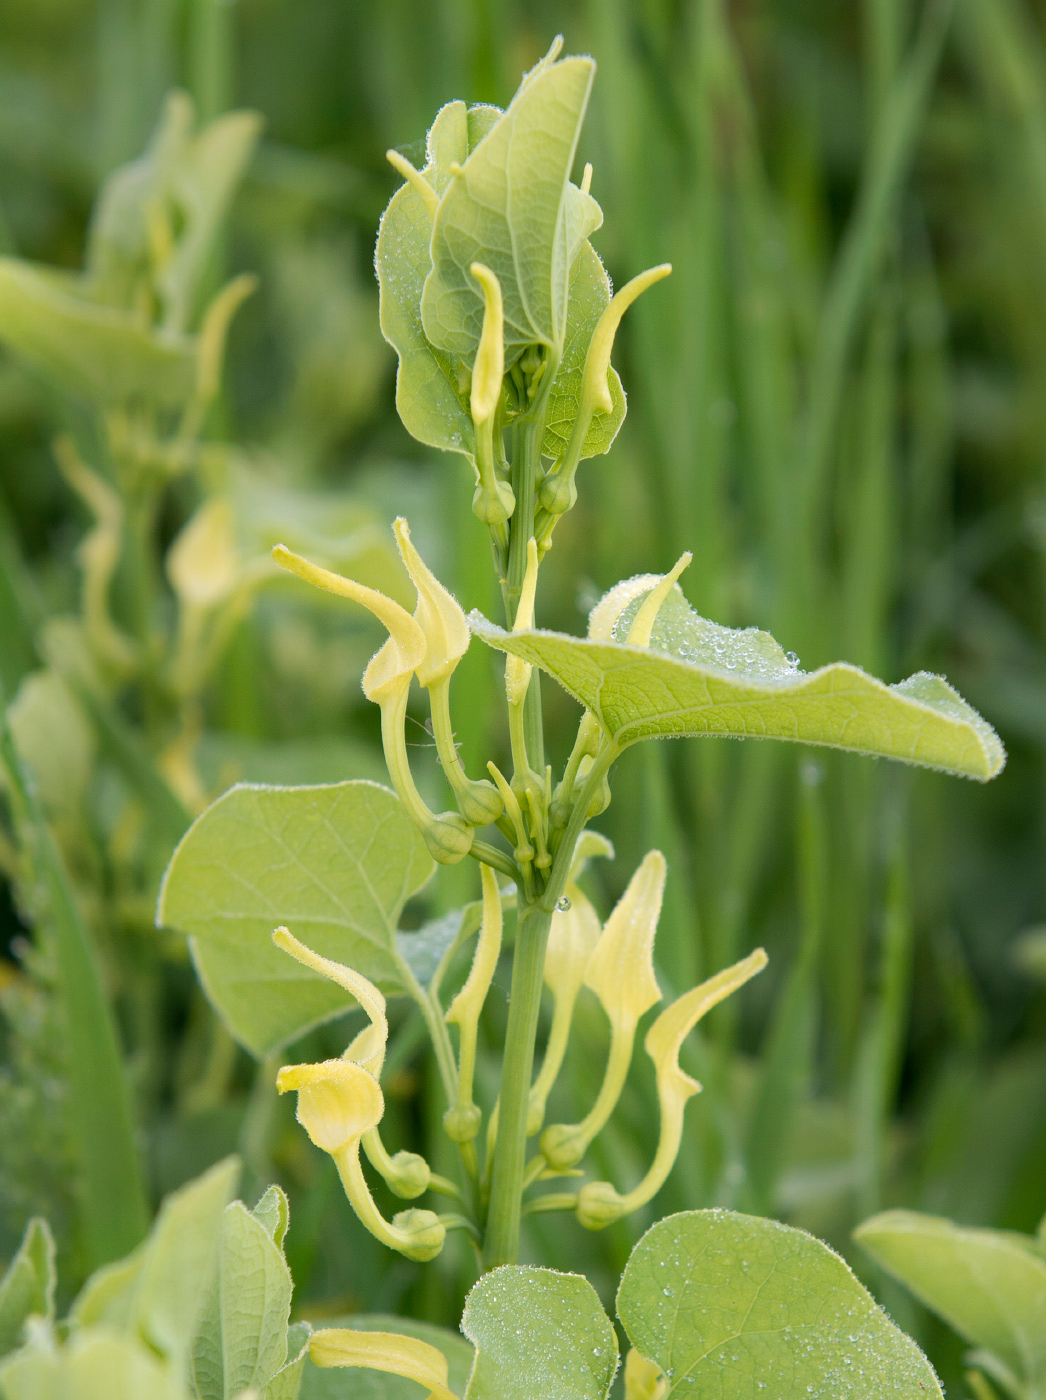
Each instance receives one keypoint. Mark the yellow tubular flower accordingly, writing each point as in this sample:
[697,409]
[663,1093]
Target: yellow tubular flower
[641,629]
[383,1351]
[386,681]
[572,937]
[338,1103]
[462,1121]
[558,491]
[446,631]
[368,1049]
[517,672]
[598,1203]
[621,973]
[494,500]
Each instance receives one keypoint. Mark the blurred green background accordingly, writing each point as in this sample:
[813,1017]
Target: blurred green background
[838,402]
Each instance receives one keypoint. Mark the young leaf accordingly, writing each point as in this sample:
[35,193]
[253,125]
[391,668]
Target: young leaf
[509,208]
[709,1295]
[431,389]
[157,1293]
[27,1288]
[538,1332]
[93,1365]
[335,863]
[989,1285]
[589,298]
[241,1342]
[91,351]
[697,677]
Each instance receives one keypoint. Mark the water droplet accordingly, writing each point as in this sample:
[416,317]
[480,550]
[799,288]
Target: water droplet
[669,1292]
[562,904]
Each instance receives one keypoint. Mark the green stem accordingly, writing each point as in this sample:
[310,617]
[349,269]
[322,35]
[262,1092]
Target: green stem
[528,970]
[437,1030]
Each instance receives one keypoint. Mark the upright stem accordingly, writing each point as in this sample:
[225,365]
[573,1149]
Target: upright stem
[528,970]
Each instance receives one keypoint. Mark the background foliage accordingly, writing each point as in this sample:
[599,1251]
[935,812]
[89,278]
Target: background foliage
[838,402]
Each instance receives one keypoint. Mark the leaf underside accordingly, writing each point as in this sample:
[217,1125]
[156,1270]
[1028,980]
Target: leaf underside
[336,863]
[698,678]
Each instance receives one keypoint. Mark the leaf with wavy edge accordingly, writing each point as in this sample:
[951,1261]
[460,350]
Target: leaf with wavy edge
[509,207]
[698,678]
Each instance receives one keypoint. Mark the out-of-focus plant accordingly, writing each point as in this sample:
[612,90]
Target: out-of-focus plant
[133,347]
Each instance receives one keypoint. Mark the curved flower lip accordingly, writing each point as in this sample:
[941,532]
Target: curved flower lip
[665,1037]
[390,669]
[368,1049]
[621,968]
[438,615]
[338,1101]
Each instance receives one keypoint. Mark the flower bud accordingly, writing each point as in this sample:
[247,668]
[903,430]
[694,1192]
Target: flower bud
[598,1205]
[422,1234]
[449,838]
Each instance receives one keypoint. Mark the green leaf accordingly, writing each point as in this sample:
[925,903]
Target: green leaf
[700,678]
[336,1383]
[93,1365]
[27,1288]
[538,1332]
[273,1214]
[509,208]
[91,351]
[286,1383]
[241,1342]
[989,1285]
[158,1292]
[335,863]
[589,298]
[431,387]
[730,1304]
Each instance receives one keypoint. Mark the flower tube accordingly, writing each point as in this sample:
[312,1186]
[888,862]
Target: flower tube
[598,1203]
[621,973]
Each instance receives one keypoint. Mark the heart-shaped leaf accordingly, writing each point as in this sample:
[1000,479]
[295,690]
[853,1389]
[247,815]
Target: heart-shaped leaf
[729,1304]
[509,208]
[538,1332]
[697,677]
[335,863]
[989,1285]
